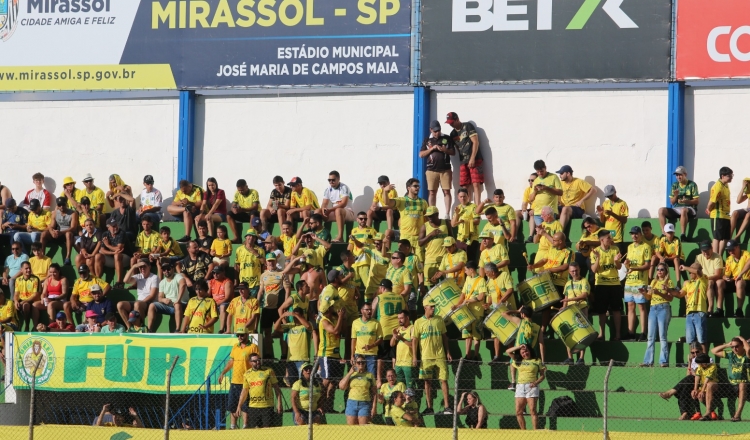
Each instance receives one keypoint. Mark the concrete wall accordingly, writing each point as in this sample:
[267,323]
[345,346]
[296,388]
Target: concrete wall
[71,138]
[607,137]
[258,137]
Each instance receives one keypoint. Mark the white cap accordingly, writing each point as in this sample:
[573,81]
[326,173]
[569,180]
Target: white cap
[88,176]
[669,227]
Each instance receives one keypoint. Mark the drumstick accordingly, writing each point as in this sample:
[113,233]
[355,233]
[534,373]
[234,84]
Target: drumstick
[525,257]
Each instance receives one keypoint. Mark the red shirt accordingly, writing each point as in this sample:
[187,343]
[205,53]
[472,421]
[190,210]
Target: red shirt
[219,195]
[67,328]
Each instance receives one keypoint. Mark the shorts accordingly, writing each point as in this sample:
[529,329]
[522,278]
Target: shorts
[312,313]
[348,215]
[109,260]
[576,212]
[164,309]
[242,217]
[381,216]
[331,368]
[675,213]
[193,210]
[224,260]
[233,398]
[467,175]
[385,351]
[443,178]
[268,317]
[260,417]
[525,391]
[607,299]
[721,229]
[430,269]
[471,332]
[406,375]
[731,286]
[434,369]
[696,327]
[358,408]
[633,295]
[293,369]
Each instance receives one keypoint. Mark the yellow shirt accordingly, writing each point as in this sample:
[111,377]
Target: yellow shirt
[147,243]
[399,277]
[555,258]
[78,194]
[496,254]
[27,288]
[40,266]
[96,196]
[552,229]
[662,286]
[246,202]
[467,230]
[241,361]
[430,334]
[397,415]
[314,256]
[587,236]
[303,401]
[450,261]
[505,213]
[528,370]
[574,191]
[200,311]
[525,198]
[708,374]
[171,247]
[242,313]
[298,340]
[577,288]
[734,265]
[638,255]
[194,197]
[260,385]
[83,288]
[710,264]
[473,288]
[411,213]
[364,236]
[378,197]
[653,243]
[720,196]
[543,199]
[607,274]
[611,223]
[497,287]
[41,221]
[389,306]
[223,248]
[366,333]
[8,310]
[434,250]
[670,249]
[329,345]
[496,231]
[289,243]
[696,299]
[306,198]
[386,390]
[404,354]
[360,386]
[378,265]
[250,265]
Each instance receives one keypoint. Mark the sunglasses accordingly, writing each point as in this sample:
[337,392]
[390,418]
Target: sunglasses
[362,219]
[395,258]
[695,352]
[331,180]
[360,362]
[531,180]
[415,186]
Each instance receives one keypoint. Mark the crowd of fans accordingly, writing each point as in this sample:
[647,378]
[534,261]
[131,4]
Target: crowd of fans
[375,300]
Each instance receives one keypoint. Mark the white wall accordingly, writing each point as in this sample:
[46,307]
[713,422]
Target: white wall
[717,134]
[131,138]
[607,137]
[257,137]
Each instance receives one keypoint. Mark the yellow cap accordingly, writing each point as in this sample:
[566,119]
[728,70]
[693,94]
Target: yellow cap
[449,241]
[431,211]
[485,234]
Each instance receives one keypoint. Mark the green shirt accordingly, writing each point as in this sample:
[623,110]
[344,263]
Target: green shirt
[737,371]
[689,191]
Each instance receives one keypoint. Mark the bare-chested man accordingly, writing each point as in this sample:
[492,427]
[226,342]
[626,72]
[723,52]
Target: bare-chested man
[315,280]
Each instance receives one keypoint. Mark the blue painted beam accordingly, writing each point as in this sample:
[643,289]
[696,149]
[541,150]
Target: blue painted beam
[421,130]
[676,132]
[186,136]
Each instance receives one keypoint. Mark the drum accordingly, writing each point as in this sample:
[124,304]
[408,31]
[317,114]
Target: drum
[504,330]
[573,328]
[538,292]
[462,317]
[445,295]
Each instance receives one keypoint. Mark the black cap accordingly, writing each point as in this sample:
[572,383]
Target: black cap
[9,203]
[383,179]
[435,126]
[388,284]
[61,201]
[148,178]
[731,244]
[242,284]
[85,200]
[83,268]
[166,265]
[34,204]
[565,169]
[705,245]
[635,230]
[112,222]
[702,359]
[294,181]
[218,269]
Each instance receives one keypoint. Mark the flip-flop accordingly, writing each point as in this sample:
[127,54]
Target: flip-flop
[736,419]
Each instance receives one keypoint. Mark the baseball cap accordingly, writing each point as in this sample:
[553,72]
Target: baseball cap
[256,222]
[383,179]
[34,204]
[731,244]
[432,210]
[60,201]
[83,268]
[669,227]
[635,230]
[61,315]
[241,331]
[680,170]
[388,284]
[85,200]
[565,169]
[133,316]
[451,117]
[95,288]
[242,284]
[409,392]
[270,256]
[148,178]
[609,190]
[326,302]
[305,365]
[332,275]
[88,177]
[251,232]
[90,314]
[10,203]
[485,234]
[435,126]
[428,302]
[449,241]
[112,222]
[295,181]
[705,245]
[377,237]
[218,269]
[68,180]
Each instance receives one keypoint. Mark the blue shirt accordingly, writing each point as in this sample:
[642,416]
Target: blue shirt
[101,308]
[14,264]
[17,218]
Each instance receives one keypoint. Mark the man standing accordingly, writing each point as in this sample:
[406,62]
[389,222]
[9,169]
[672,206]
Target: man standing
[575,193]
[151,200]
[718,209]
[493,253]
[713,269]
[400,275]
[504,212]
[431,237]
[401,339]
[466,139]
[740,217]
[239,363]
[431,342]
[684,198]
[639,265]
[438,149]
[330,327]
[245,206]
[605,263]
[271,294]
[336,206]
[547,226]
[363,234]
[278,203]
[387,305]
[466,219]
[498,226]
[613,213]
[547,190]
[411,211]
[366,336]
[696,305]
[258,383]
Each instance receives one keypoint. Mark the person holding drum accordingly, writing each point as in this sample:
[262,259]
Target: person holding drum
[555,262]
[476,413]
[452,265]
[660,315]
[576,293]
[544,232]
[472,297]
[431,237]
[499,293]
[530,374]
[638,264]
[528,334]
[430,341]
[606,262]
[492,253]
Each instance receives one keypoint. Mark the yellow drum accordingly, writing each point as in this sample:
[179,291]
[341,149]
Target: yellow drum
[573,328]
[462,317]
[445,295]
[504,330]
[538,292]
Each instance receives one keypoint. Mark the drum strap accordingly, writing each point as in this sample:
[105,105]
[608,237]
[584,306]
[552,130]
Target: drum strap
[476,283]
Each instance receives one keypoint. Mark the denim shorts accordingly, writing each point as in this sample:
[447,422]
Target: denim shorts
[633,295]
[358,408]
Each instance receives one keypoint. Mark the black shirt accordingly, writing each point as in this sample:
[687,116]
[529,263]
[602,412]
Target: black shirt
[205,242]
[89,242]
[437,160]
[196,269]
[281,199]
[117,238]
[126,220]
[462,139]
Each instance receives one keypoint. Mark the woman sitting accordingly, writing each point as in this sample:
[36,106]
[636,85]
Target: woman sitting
[476,413]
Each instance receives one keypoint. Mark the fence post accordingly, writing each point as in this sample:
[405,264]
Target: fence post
[310,397]
[31,399]
[606,400]
[166,400]
[455,399]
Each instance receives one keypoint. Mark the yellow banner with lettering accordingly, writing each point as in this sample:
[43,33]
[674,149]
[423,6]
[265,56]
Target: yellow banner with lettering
[124,362]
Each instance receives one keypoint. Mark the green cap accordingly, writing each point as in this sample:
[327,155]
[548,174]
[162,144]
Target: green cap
[271,256]
[305,365]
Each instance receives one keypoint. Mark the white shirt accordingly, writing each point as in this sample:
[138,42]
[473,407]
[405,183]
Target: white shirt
[280,259]
[336,194]
[152,198]
[144,286]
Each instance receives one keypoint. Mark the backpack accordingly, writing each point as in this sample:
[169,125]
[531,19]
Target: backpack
[562,406]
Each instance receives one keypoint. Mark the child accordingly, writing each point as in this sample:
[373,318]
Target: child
[136,323]
[146,242]
[411,407]
[288,238]
[576,292]
[706,378]
[221,248]
[91,326]
[40,263]
[167,248]
[670,250]
[200,313]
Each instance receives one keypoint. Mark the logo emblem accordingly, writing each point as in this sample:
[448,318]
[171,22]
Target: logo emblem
[29,353]
[8,18]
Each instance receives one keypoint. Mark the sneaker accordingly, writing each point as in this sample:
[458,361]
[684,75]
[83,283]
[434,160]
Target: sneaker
[529,239]
[66,262]
[642,337]
[496,360]
[580,361]
[448,410]
[719,313]
[184,239]
[664,365]
[714,416]
[512,386]
[647,365]
[629,337]
[568,361]
[696,416]
[428,412]
[739,313]
[683,238]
